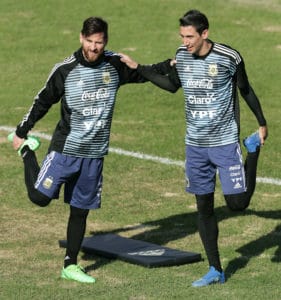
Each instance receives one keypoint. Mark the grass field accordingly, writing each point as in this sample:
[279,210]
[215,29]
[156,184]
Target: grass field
[142,199]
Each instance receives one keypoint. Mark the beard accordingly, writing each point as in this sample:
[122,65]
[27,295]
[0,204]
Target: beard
[92,56]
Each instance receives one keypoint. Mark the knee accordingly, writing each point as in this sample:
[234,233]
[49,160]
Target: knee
[39,199]
[237,202]
[80,213]
[205,204]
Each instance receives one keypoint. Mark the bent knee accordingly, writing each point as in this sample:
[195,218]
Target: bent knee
[39,199]
[235,207]
[237,202]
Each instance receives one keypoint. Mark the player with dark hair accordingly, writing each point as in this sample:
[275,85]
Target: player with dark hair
[86,84]
[210,74]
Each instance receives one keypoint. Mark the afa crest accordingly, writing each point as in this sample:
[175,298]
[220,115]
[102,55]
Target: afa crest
[213,70]
[106,77]
[48,182]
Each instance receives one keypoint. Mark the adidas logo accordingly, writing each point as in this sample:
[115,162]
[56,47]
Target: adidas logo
[80,82]
[237,186]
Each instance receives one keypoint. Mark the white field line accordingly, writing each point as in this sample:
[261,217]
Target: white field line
[162,160]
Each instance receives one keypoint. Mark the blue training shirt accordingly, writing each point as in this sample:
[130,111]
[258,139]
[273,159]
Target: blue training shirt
[87,93]
[211,99]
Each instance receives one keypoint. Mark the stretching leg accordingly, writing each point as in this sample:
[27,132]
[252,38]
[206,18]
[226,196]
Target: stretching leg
[31,171]
[239,202]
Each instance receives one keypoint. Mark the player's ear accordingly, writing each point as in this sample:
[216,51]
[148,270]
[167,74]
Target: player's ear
[81,37]
[205,34]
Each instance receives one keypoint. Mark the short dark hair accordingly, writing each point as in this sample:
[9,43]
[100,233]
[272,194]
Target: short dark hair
[196,19]
[95,25]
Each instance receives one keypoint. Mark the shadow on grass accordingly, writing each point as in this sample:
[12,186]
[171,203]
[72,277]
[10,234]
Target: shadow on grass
[258,246]
[180,226]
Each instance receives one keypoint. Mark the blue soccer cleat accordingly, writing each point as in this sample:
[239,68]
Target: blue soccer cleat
[213,276]
[252,142]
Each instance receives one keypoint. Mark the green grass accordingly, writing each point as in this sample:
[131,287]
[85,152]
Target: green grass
[141,199]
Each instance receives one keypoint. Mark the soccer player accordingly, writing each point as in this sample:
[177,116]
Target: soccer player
[85,84]
[209,74]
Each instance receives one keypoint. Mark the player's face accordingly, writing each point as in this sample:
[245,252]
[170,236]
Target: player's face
[93,46]
[192,40]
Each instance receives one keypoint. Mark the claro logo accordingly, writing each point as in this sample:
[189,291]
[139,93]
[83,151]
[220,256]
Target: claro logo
[208,99]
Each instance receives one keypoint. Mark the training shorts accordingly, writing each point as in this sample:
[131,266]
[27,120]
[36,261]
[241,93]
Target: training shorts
[203,163]
[82,179]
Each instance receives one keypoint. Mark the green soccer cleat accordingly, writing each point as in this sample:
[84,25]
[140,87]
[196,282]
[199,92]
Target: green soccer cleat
[32,142]
[76,272]
[11,136]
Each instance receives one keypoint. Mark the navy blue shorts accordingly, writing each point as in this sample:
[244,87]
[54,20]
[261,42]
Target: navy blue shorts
[203,163]
[82,179]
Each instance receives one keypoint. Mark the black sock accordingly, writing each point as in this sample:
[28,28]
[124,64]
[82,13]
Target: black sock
[75,234]
[208,229]
[251,164]
[31,167]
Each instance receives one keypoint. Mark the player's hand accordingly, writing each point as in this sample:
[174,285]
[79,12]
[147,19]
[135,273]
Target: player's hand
[17,142]
[263,133]
[173,62]
[128,61]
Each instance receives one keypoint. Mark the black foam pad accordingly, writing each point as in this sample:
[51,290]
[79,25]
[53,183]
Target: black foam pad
[135,251]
